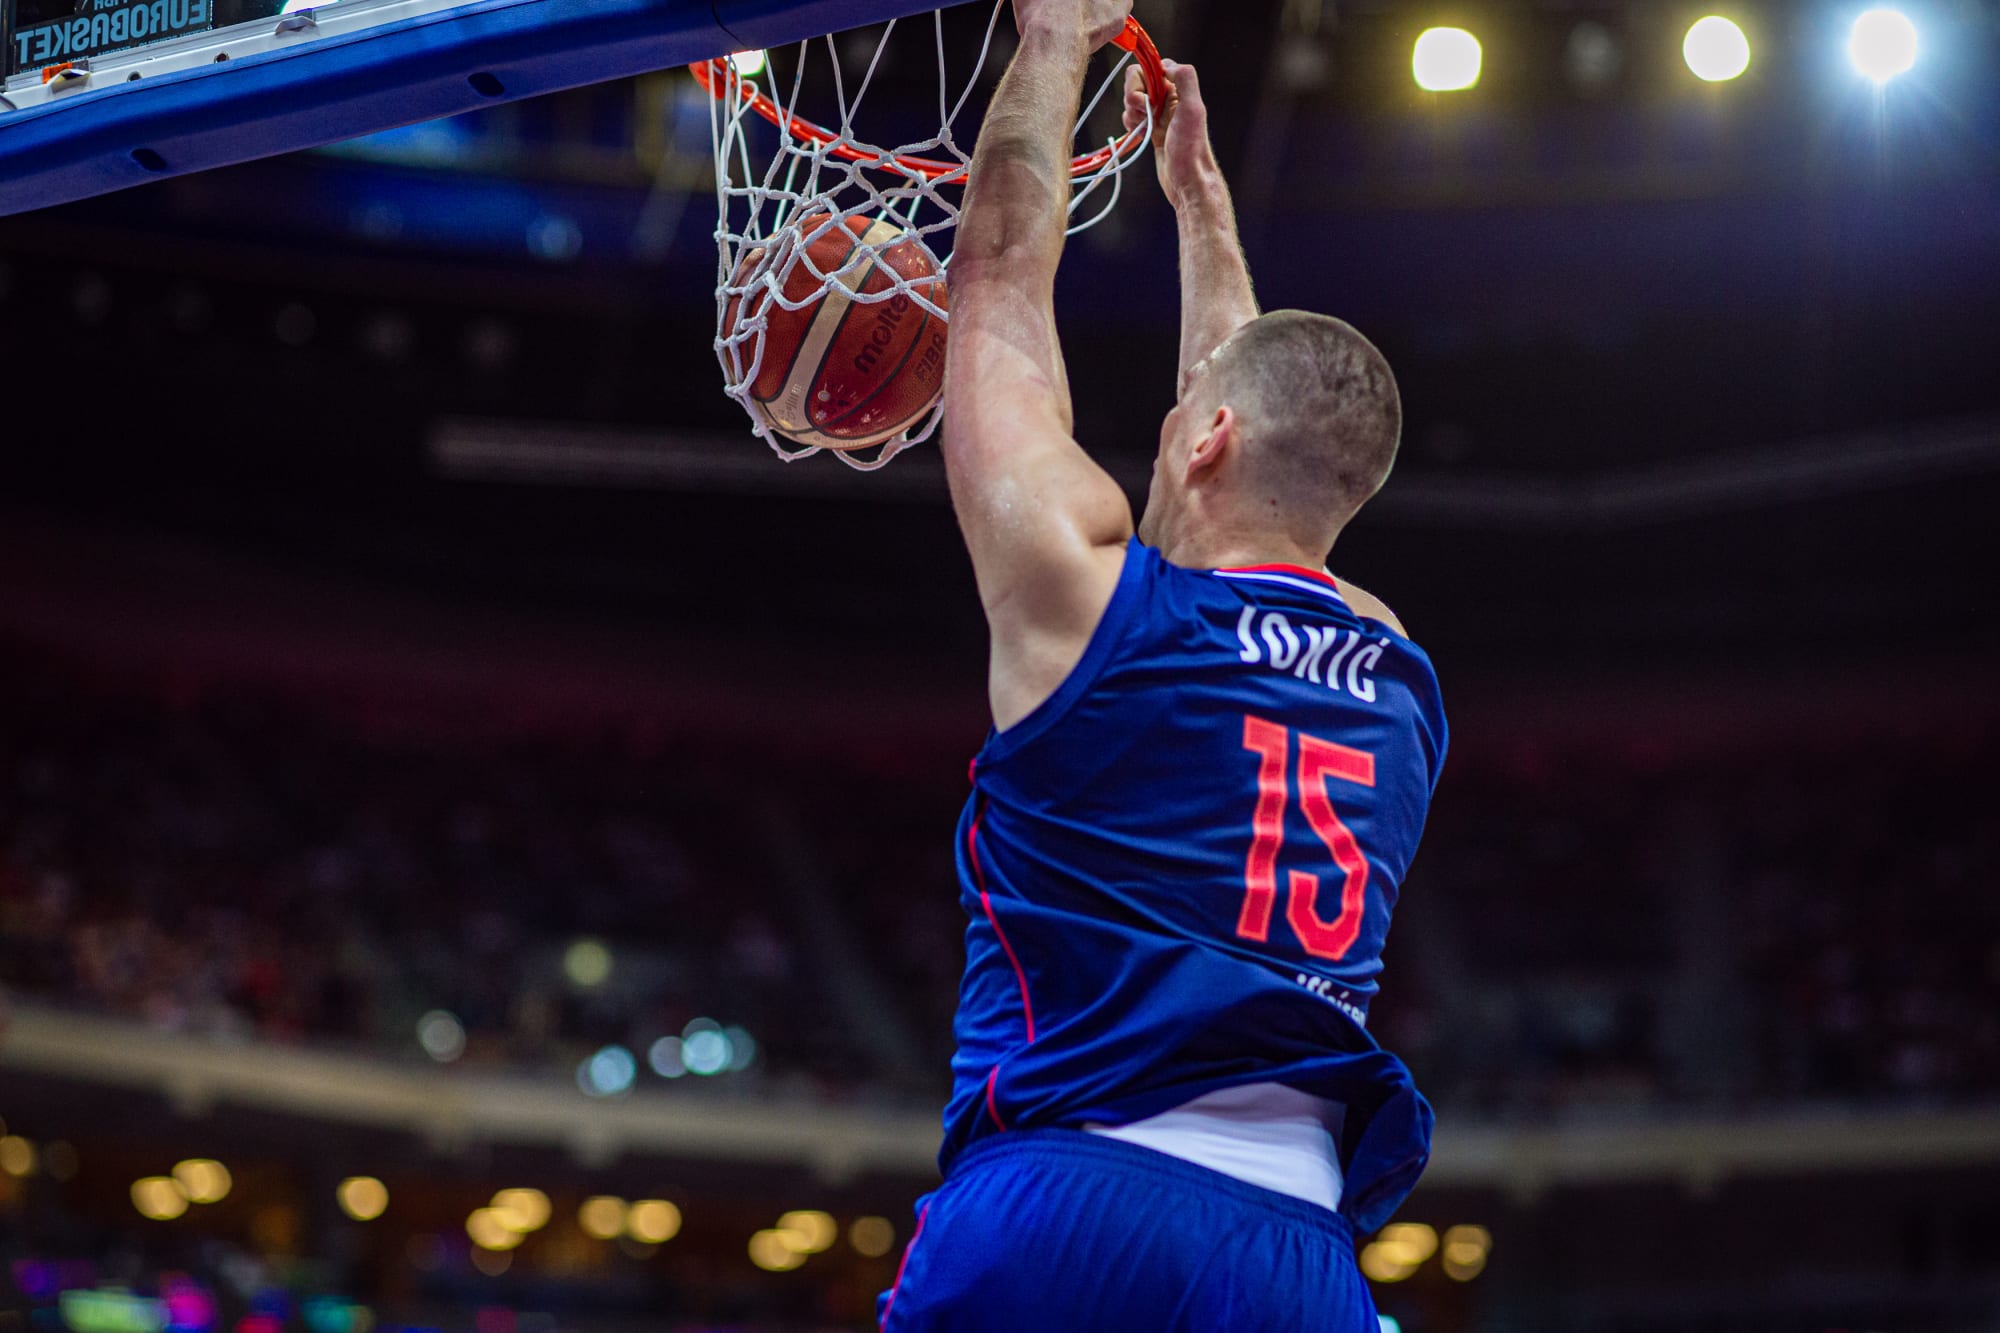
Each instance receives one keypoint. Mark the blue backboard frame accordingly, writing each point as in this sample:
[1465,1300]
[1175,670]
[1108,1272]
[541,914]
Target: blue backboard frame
[311,84]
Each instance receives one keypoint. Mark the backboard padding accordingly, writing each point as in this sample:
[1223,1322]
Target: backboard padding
[317,86]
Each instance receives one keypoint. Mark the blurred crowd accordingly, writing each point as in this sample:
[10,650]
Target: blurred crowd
[1818,925]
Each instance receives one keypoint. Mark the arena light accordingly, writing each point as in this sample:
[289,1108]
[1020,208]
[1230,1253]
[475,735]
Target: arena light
[602,1216]
[362,1198]
[1445,60]
[522,1210]
[653,1222]
[492,1263]
[1592,56]
[441,1035]
[1382,1263]
[203,1180]
[749,64]
[17,1156]
[807,1230]
[872,1237]
[587,964]
[489,1230]
[1882,44]
[1465,1251]
[609,1073]
[1716,49]
[664,1056]
[1408,1243]
[159,1198]
[769,1252]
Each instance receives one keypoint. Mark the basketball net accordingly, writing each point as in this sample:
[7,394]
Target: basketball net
[767,184]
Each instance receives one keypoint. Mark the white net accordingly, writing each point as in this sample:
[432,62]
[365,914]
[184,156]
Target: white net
[785,181]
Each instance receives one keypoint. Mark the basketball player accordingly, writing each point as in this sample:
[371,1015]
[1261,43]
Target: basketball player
[1209,768]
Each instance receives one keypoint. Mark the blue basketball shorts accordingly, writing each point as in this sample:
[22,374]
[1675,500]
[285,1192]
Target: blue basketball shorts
[1058,1230]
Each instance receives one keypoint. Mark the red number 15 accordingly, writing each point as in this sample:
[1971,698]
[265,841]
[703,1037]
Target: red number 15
[1318,761]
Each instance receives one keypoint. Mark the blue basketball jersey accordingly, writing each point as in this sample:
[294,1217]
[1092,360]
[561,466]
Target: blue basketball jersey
[1179,869]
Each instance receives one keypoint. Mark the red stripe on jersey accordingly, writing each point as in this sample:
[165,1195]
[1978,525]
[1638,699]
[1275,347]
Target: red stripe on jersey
[1316,575]
[992,1076]
[979,873]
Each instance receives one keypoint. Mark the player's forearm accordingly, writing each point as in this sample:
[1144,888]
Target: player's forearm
[1017,200]
[1216,296]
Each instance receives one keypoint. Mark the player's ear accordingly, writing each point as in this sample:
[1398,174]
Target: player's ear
[1221,436]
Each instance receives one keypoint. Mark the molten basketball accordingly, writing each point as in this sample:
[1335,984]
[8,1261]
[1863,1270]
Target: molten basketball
[839,372]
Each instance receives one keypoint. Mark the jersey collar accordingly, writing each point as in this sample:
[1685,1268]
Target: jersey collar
[1291,576]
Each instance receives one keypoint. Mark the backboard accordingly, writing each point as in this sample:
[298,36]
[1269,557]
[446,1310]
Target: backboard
[99,95]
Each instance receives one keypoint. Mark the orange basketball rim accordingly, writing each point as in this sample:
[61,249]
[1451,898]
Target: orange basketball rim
[716,76]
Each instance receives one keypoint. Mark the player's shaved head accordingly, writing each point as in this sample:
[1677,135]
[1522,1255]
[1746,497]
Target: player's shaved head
[1319,414]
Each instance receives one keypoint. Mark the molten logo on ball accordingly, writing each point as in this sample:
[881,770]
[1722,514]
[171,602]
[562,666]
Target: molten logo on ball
[842,371]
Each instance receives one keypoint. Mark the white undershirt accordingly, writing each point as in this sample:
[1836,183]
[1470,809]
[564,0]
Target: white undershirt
[1264,1133]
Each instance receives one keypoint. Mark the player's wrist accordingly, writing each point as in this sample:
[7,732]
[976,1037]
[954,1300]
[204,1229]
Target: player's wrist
[1201,194]
[1059,36]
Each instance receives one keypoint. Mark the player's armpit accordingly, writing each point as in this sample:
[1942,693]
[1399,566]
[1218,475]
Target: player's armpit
[1365,603]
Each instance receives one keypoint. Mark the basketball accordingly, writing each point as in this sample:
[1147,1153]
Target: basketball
[839,372]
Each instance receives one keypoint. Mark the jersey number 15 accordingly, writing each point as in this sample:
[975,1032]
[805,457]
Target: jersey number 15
[1319,760]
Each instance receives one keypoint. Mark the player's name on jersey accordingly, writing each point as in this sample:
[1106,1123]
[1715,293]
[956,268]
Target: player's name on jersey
[1323,654]
[111,24]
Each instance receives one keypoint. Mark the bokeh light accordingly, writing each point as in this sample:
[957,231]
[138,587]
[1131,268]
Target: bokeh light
[17,1156]
[522,1210]
[441,1035]
[602,1216]
[159,1198]
[1465,1252]
[653,1221]
[587,964]
[492,1263]
[742,1048]
[362,1198]
[203,1179]
[1408,1242]
[1380,1263]
[1445,60]
[807,1230]
[664,1056]
[608,1073]
[1716,49]
[489,1230]
[770,1252]
[1882,44]
[872,1237]
[705,1052]
[749,64]
[61,1160]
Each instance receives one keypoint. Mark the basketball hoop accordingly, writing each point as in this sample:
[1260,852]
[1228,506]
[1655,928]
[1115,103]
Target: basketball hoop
[778,172]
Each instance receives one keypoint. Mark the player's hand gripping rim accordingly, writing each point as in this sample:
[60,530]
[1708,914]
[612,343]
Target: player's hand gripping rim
[1181,151]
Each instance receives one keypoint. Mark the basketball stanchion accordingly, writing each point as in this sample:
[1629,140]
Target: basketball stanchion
[834,253]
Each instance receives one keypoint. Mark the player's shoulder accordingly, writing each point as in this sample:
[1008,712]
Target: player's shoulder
[1368,605]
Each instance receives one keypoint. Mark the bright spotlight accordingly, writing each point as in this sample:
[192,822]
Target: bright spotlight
[1882,44]
[1716,49]
[749,64]
[1445,60]
[609,1073]
[362,1198]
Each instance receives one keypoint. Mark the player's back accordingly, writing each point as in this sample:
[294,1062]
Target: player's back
[1180,868]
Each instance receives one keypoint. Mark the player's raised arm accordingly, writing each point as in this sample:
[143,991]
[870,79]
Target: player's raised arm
[1045,525]
[1216,298]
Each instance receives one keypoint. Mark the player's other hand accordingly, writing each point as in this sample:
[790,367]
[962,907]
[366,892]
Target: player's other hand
[1181,150]
[1101,20]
